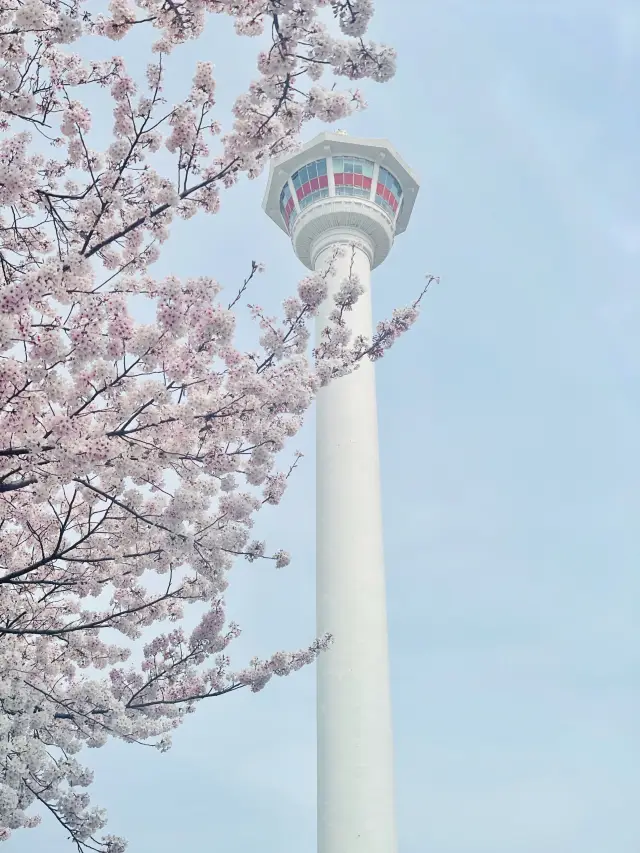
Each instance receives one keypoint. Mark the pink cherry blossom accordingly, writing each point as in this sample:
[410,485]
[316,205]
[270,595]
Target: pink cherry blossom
[131,450]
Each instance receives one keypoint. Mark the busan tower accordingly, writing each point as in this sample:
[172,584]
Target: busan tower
[339,190]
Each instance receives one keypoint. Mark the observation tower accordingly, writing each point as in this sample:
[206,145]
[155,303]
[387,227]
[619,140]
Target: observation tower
[339,190]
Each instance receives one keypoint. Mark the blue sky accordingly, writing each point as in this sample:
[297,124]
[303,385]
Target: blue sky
[509,423]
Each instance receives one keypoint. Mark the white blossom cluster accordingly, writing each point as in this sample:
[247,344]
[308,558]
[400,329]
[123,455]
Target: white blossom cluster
[131,450]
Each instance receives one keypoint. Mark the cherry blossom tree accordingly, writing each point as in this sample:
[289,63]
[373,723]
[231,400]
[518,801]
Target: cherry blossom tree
[134,457]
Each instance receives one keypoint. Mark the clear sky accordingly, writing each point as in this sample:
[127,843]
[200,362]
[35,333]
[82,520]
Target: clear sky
[509,420]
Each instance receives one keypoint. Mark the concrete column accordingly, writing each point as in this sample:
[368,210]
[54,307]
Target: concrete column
[355,746]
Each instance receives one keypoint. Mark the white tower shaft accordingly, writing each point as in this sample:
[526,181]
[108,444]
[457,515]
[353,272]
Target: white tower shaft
[356,811]
[337,190]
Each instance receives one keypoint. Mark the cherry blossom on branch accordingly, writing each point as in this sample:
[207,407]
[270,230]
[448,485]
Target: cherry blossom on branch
[134,457]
